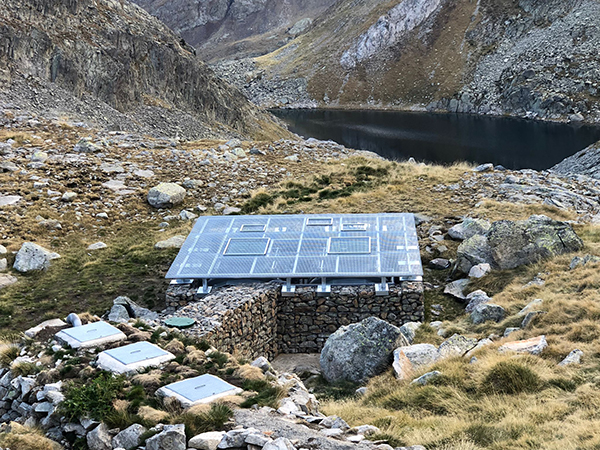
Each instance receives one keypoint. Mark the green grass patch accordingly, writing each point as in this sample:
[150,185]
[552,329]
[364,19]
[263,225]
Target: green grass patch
[509,377]
[267,394]
[94,398]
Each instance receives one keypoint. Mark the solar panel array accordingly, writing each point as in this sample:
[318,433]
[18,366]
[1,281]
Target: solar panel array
[300,246]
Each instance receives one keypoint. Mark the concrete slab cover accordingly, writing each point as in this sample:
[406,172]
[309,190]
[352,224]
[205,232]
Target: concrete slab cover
[130,358]
[203,389]
[90,335]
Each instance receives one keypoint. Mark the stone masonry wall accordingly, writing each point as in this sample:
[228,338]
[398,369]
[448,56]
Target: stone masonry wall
[257,320]
[305,321]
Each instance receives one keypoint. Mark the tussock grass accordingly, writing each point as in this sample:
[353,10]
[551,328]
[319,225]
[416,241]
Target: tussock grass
[19,437]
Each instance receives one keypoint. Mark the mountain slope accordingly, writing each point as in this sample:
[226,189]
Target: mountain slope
[219,28]
[527,58]
[114,52]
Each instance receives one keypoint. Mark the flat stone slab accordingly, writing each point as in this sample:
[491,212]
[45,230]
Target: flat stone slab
[130,358]
[34,331]
[91,335]
[203,389]
[7,200]
[534,346]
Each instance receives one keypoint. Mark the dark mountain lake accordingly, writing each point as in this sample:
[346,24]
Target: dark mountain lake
[445,138]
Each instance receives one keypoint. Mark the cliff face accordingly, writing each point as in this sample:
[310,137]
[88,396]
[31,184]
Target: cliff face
[117,53]
[528,58]
[224,28]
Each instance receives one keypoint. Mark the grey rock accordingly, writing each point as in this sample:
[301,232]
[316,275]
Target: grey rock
[172,437]
[166,195]
[439,264]
[129,437]
[262,363]
[135,310]
[426,378]
[301,26]
[258,439]
[279,444]
[69,196]
[360,351]
[409,330]
[97,246]
[231,210]
[479,270]
[99,438]
[456,345]
[118,313]
[187,215]
[469,228]
[361,391]
[206,441]
[236,438]
[476,298]
[578,261]
[485,312]
[456,288]
[488,167]
[7,280]
[31,257]
[409,358]
[531,306]
[511,244]
[86,145]
[510,330]
[334,422]
[172,242]
[533,346]
[572,358]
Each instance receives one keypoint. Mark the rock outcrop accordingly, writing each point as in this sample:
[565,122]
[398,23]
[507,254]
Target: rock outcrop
[510,244]
[122,57]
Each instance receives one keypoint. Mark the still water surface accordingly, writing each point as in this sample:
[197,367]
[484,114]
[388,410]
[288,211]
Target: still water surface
[445,138]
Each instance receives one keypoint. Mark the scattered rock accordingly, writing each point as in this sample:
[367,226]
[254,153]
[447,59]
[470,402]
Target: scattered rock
[409,358]
[119,314]
[409,330]
[479,270]
[456,288]
[360,351]
[572,358]
[7,200]
[172,437]
[129,437]
[99,438]
[439,264]
[530,306]
[69,196]
[206,441]
[457,345]
[485,312]
[231,210]
[488,167]
[510,330]
[476,298]
[33,257]
[426,378]
[97,246]
[534,346]
[166,195]
[172,242]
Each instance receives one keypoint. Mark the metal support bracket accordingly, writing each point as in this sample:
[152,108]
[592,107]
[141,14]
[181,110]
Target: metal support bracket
[323,289]
[204,289]
[383,288]
[288,289]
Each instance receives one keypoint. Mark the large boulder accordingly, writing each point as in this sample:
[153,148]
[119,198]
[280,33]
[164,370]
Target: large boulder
[130,437]
[166,195]
[360,351]
[32,257]
[510,244]
[485,312]
[99,438]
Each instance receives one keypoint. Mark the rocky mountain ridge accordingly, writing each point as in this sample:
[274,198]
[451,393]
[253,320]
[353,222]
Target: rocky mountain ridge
[523,58]
[58,56]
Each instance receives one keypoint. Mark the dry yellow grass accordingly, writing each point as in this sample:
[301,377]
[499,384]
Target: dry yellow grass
[18,437]
[249,372]
[559,410]
[151,415]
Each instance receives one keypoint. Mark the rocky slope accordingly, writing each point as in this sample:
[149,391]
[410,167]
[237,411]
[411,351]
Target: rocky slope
[525,58]
[112,62]
[220,28]
[585,162]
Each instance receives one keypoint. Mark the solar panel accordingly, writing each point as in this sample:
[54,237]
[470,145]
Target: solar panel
[300,246]
[133,353]
[349,245]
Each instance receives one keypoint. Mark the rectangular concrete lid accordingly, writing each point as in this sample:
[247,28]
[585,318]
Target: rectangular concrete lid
[91,331]
[133,353]
[197,388]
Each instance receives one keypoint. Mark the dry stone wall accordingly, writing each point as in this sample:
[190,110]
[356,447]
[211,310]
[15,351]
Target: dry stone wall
[257,320]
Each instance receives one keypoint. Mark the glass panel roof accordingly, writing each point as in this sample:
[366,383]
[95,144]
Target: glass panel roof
[300,246]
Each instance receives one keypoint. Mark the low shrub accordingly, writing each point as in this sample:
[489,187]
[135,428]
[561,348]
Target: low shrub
[211,420]
[267,394]
[94,398]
